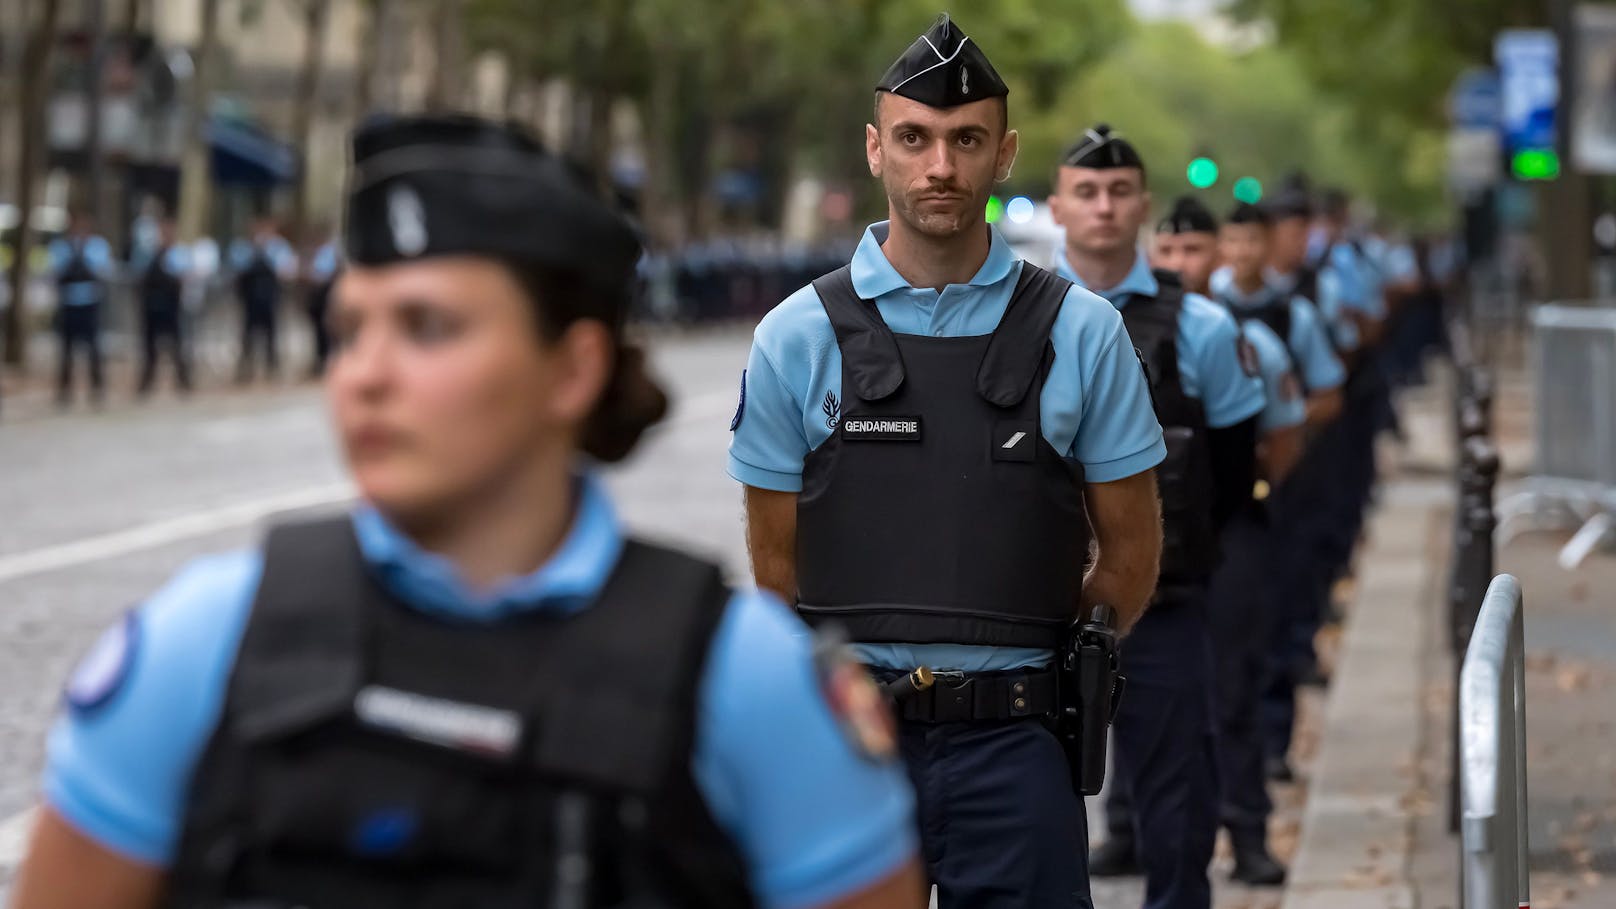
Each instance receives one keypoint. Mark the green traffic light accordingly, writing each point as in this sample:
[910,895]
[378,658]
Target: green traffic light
[1536,164]
[1202,172]
[1248,190]
[995,209]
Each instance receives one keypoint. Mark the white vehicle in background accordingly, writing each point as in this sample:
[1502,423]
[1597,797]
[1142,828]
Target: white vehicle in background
[1031,232]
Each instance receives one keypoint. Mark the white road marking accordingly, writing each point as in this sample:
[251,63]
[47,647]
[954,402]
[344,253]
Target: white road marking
[14,832]
[168,530]
[198,523]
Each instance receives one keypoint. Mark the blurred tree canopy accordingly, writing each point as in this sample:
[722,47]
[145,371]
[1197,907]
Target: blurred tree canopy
[1351,90]
[1388,66]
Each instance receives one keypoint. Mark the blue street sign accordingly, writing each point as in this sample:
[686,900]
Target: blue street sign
[1529,74]
[1476,101]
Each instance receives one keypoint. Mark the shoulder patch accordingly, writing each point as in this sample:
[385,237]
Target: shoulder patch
[860,709]
[105,669]
[740,409]
[1247,352]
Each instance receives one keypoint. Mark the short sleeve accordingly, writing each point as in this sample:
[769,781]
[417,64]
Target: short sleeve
[815,820]
[1284,405]
[1320,367]
[1228,393]
[142,706]
[1118,435]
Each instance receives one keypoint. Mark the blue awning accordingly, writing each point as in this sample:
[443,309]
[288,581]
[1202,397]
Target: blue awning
[244,155]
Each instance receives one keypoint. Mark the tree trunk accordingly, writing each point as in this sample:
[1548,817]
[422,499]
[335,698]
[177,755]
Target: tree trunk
[131,16]
[95,91]
[196,165]
[444,92]
[370,53]
[660,196]
[31,133]
[316,16]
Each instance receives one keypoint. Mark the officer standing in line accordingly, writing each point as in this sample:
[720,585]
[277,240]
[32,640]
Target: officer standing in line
[1242,595]
[1207,394]
[1186,243]
[1242,285]
[472,690]
[319,275]
[82,263]
[162,271]
[263,263]
[919,434]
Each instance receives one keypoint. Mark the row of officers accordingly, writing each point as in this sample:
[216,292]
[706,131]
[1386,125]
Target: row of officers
[474,689]
[170,281]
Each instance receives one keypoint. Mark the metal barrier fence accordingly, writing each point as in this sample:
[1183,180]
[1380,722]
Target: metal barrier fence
[1574,480]
[1492,713]
[1474,522]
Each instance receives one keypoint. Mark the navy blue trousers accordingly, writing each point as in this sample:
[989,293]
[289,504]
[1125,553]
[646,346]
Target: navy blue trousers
[1241,609]
[1165,760]
[1000,825]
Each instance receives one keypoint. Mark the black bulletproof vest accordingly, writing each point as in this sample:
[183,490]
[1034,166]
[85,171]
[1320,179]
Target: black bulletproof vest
[258,284]
[1184,478]
[77,270]
[1275,313]
[937,512]
[159,290]
[1307,283]
[372,755]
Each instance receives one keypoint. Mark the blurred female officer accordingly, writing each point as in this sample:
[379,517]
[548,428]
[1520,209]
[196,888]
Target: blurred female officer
[473,690]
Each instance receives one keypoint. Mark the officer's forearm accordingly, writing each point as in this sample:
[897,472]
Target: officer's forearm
[1278,453]
[1126,517]
[1323,407]
[771,540]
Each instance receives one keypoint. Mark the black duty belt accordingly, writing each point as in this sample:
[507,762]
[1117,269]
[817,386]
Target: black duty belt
[957,697]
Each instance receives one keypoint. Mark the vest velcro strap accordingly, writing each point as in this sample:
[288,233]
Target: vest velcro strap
[869,350]
[1007,372]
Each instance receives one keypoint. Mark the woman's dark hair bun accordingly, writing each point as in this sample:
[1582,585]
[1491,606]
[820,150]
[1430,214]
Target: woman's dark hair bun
[632,403]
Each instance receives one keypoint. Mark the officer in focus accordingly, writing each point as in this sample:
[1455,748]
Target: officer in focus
[472,690]
[1207,393]
[1241,595]
[81,262]
[919,435]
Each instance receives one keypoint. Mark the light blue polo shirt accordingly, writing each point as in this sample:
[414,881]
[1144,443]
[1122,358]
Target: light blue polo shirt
[279,253]
[327,259]
[1309,343]
[1284,405]
[1095,405]
[176,260]
[814,820]
[97,257]
[1209,367]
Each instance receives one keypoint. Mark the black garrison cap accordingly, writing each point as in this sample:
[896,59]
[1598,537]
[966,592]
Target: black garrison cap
[943,68]
[1188,216]
[1246,213]
[1289,203]
[430,185]
[1101,149]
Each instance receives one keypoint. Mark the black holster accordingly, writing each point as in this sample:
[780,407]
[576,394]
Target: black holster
[1090,689]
